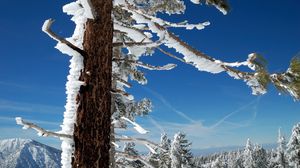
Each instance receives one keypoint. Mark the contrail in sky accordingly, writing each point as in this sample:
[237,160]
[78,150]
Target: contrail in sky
[255,101]
[167,104]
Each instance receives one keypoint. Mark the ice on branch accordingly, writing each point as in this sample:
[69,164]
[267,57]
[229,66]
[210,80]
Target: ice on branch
[201,62]
[40,131]
[137,127]
[150,67]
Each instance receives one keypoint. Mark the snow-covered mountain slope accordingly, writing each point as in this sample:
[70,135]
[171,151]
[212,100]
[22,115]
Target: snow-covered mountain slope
[26,153]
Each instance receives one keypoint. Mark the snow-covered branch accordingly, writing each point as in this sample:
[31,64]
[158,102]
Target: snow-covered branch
[200,60]
[141,141]
[133,158]
[137,127]
[47,29]
[172,55]
[41,131]
[193,56]
[148,66]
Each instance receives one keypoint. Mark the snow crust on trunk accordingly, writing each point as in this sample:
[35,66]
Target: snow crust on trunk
[80,10]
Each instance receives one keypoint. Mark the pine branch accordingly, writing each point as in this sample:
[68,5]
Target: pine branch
[47,29]
[165,23]
[41,131]
[258,78]
[136,33]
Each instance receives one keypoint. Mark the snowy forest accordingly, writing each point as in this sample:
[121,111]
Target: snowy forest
[286,155]
[105,50]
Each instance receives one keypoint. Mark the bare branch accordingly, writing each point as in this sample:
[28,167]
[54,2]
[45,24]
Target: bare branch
[40,130]
[47,29]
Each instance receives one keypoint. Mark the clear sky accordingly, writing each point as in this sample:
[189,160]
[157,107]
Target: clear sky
[214,110]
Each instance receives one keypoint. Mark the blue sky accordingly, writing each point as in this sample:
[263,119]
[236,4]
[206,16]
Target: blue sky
[214,110]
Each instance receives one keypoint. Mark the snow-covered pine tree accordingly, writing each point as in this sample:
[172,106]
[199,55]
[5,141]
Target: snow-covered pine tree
[259,156]
[248,155]
[235,159]
[221,161]
[180,154]
[273,158]
[293,147]
[164,155]
[217,163]
[124,162]
[108,41]
[280,161]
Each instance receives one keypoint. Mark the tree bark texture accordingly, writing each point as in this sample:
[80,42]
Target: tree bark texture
[93,125]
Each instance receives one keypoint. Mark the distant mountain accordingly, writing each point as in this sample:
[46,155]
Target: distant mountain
[209,151]
[26,153]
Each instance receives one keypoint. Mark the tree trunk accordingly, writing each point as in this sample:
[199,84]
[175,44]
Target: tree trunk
[92,129]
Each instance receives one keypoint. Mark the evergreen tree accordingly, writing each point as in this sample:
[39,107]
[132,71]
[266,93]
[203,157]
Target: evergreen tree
[235,160]
[248,155]
[123,162]
[273,158]
[281,157]
[218,163]
[164,156]
[293,147]
[259,156]
[109,39]
[181,156]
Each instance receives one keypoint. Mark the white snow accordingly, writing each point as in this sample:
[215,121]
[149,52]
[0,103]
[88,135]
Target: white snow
[45,27]
[115,144]
[63,48]
[137,127]
[221,9]
[150,148]
[19,121]
[196,1]
[200,63]
[88,10]
[81,11]
[27,153]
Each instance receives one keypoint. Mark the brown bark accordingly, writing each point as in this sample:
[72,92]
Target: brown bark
[92,131]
